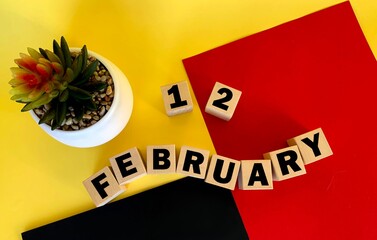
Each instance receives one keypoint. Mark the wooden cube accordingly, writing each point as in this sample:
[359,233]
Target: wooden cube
[193,162]
[286,163]
[255,175]
[223,101]
[128,166]
[313,145]
[103,187]
[161,159]
[223,172]
[177,98]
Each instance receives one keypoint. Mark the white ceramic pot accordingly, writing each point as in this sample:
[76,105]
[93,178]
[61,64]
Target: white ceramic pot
[111,124]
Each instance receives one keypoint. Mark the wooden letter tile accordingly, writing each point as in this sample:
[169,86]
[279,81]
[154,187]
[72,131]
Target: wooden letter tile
[313,145]
[161,159]
[223,101]
[177,98]
[286,163]
[223,172]
[255,175]
[193,162]
[103,187]
[128,166]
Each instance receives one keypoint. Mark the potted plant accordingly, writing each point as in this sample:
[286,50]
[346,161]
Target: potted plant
[77,96]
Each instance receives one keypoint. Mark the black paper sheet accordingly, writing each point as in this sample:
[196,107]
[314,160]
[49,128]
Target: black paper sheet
[184,209]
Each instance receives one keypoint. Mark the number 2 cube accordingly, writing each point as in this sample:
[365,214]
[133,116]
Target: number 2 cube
[223,101]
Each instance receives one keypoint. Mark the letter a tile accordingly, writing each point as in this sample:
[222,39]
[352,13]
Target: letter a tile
[255,175]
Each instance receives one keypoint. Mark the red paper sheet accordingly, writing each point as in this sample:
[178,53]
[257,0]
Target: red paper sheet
[316,71]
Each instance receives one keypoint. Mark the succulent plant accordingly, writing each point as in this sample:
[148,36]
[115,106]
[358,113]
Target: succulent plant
[59,78]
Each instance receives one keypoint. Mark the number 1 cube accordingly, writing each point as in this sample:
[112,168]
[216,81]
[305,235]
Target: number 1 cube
[177,98]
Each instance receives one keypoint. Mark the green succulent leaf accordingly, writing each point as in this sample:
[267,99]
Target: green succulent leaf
[78,93]
[77,66]
[68,76]
[47,117]
[84,53]
[58,51]
[61,111]
[86,73]
[27,107]
[34,53]
[52,56]
[54,94]
[94,86]
[90,105]
[63,97]
[79,113]
[78,108]
[44,99]
[66,52]
[21,98]
[54,124]
[43,52]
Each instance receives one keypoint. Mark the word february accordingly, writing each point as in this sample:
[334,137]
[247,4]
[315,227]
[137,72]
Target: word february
[218,170]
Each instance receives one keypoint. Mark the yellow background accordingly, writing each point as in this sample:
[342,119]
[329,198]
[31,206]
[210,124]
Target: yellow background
[40,178]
